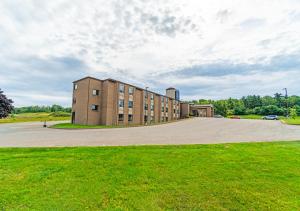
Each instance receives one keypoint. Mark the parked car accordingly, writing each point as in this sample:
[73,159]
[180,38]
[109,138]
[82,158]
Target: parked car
[271,117]
[235,117]
[218,116]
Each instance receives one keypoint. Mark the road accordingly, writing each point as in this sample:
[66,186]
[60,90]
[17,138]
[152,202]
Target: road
[192,131]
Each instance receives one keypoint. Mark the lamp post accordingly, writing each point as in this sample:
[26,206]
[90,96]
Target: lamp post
[286,101]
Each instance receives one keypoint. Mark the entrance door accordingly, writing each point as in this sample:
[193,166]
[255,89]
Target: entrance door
[203,113]
[73,117]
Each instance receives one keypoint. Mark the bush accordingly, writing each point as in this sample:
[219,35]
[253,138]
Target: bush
[269,110]
[239,110]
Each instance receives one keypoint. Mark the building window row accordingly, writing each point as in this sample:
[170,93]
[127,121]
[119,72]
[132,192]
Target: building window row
[122,89]
[121,118]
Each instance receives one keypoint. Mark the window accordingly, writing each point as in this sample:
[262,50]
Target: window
[74,100]
[75,87]
[163,109]
[94,107]
[152,107]
[121,117]
[167,100]
[121,103]
[130,90]
[152,96]
[146,107]
[152,119]
[145,118]
[130,118]
[95,92]
[121,88]
[167,110]
[162,99]
[130,104]
[146,94]
[167,119]
[174,111]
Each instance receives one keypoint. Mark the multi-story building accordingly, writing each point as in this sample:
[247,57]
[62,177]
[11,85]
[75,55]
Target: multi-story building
[111,102]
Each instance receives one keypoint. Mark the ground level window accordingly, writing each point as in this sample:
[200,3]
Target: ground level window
[130,118]
[121,117]
[145,118]
[94,107]
[167,119]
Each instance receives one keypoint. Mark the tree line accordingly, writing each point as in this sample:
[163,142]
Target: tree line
[39,109]
[255,104]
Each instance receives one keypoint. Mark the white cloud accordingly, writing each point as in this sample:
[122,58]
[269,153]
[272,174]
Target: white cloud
[144,39]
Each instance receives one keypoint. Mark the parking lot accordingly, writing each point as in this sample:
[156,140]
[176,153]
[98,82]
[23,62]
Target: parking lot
[192,131]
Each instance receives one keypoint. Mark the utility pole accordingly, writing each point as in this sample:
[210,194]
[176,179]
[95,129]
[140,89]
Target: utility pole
[286,101]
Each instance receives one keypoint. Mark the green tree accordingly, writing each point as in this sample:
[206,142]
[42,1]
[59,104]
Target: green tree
[293,113]
[6,106]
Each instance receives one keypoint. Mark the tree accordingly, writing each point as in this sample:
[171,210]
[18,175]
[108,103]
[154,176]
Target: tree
[278,98]
[6,106]
[293,113]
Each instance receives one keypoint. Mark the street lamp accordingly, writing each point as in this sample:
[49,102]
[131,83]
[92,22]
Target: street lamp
[286,101]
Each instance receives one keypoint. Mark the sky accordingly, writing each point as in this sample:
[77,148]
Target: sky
[212,49]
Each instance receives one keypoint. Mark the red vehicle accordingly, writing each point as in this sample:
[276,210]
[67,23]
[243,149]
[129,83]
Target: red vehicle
[235,117]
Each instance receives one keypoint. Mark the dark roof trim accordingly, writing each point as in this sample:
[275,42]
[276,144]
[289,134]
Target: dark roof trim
[88,77]
[116,81]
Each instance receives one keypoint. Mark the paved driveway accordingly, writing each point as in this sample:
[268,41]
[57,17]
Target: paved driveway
[192,131]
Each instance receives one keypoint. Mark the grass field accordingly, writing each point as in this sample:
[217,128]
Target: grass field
[77,126]
[254,176]
[33,117]
[291,121]
[251,116]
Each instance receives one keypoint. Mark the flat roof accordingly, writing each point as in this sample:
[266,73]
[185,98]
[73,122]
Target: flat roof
[204,105]
[113,80]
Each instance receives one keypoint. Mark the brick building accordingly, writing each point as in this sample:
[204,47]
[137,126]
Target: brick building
[111,102]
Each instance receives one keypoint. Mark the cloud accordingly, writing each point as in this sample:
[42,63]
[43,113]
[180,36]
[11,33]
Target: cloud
[45,45]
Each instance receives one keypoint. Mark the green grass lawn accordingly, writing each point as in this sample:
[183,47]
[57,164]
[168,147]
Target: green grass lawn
[252,116]
[33,117]
[77,126]
[291,121]
[248,176]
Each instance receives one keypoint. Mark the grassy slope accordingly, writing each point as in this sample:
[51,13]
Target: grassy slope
[32,117]
[257,176]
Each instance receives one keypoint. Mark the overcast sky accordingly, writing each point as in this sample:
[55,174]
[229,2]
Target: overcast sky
[206,48]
